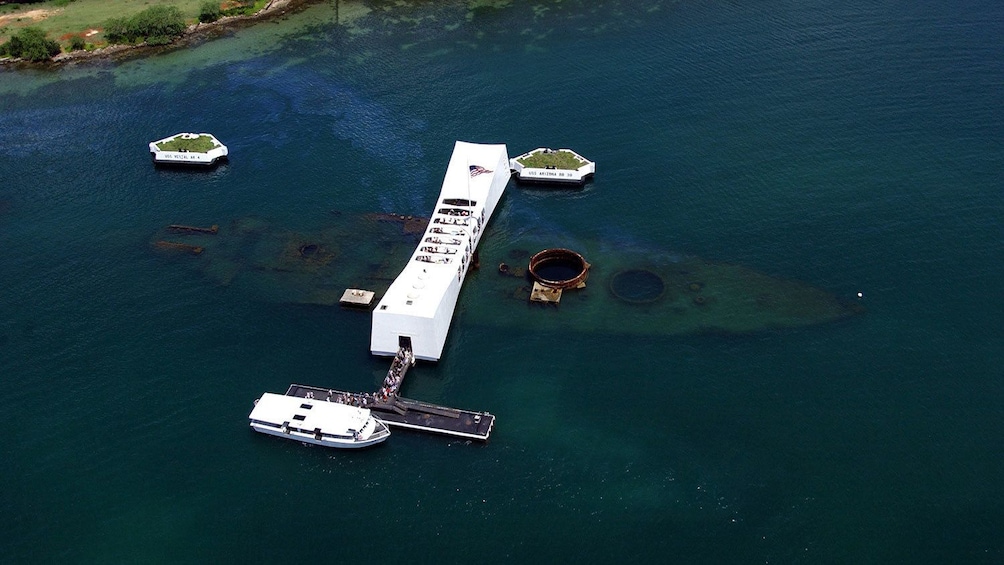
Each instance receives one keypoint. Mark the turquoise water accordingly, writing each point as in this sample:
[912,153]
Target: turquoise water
[855,147]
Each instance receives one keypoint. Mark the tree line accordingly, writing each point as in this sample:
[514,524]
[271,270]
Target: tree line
[156,25]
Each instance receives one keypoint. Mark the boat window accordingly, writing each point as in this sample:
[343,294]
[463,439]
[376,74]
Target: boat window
[300,417]
[263,423]
[459,202]
[451,221]
[306,406]
[454,211]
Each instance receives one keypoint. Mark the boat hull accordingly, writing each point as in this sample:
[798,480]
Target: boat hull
[317,422]
[378,436]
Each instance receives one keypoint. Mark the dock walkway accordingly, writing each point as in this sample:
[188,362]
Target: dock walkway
[400,412]
[410,414]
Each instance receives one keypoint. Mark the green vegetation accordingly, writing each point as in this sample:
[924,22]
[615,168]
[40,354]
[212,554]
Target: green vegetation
[555,159]
[157,24]
[209,12]
[77,43]
[201,144]
[30,43]
[63,19]
[243,7]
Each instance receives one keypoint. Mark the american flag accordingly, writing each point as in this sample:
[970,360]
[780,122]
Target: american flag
[477,170]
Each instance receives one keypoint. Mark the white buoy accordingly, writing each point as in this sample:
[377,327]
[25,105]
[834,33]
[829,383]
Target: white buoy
[861,295]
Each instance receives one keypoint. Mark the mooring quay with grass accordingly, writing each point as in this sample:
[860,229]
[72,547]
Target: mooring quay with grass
[552,166]
[197,149]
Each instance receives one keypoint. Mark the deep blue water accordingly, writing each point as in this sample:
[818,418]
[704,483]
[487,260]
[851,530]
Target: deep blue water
[857,147]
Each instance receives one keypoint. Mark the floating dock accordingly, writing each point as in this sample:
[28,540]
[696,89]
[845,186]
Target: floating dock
[411,414]
[404,412]
[357,297]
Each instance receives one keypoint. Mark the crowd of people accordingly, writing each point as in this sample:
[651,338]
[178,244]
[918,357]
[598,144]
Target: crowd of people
[388,391]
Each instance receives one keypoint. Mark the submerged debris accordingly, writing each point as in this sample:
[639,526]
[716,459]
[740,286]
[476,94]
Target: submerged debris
[214,229]
[175,246]
[633,291]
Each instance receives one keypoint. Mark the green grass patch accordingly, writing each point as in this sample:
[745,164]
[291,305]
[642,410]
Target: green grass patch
[555,159]
[201,144]
[62,20]
[242,7]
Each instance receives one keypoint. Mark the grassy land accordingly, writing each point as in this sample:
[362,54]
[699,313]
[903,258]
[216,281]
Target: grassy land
[556,159]
[201,144]
[61,19]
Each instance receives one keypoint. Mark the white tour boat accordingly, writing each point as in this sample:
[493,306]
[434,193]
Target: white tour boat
[316,421]
[416,310]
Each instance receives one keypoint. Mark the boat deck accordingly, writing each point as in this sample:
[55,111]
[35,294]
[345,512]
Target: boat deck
[407,413]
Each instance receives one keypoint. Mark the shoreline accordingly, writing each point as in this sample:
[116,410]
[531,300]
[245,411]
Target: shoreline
[194,34]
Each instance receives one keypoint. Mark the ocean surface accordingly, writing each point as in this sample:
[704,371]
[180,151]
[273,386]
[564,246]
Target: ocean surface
[853,146]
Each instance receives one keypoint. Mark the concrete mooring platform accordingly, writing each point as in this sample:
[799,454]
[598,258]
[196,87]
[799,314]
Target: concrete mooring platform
[399,412]
[410,414]
[357,297]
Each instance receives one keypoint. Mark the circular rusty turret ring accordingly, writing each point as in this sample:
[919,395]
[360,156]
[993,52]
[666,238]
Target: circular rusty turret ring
[638,286]
[308,249]
[563,260]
